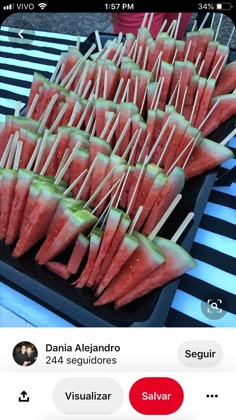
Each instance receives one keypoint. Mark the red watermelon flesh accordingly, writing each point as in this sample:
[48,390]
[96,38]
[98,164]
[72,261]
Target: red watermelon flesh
[137,124]
[169,158]
[64,142]
[149,177]
[127,64]
[135,176]
[145,259]
[150,199]
[200,92]
[207,155]
[174,118]
[205,101]
[172,187]
[38,220]
[191,93]
[227,80]
[29,139]
[152,86]
[126,110]
[102,105]
[130,38]
[124,196]
[94,244]
[193,52]
[151,122]
[62,94]
[79,163]
[70,59]
[177,262]
[209,57]
[168,50]
[159,45]
[78,253]
[142,37]
[126,248]
[59,269]
[112,223]
[8,183]
[223,111]
[143,77]
[178,68]
[166,71]
[222,50]
[38,80]
[111,252]
[187,73]
[98,175]
[80,221]
[78,136]
[180,46]
[206,35]
[98,145]
[113,73]
[190,133]
[71,100]
[90,75]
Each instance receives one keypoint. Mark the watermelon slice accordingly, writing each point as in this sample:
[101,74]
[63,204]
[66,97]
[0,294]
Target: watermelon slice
[209,57]
[130,38]
[180,46]
[188,72]
[29,139]
[59,269]
[72,100]
[200,91]
[176,141]
[171,188]
[70,59]
[145,259]
[39,219]
[191,93]
[126,110]
[134,179]
[97,145]
[79,163]
[8,183]
[166,71]
[126,66]
[207,155]
[98,175]
[223,111]
[94,244]
[79,221]
[112,223]
[111,252]
[205,101]
[142,38]
[150,199]
[177,262]
[60,217]
[38,80]
[189,134]
[126,248]
[138,124]
[102,106]
[143,77]
[193,51]
[227,80]
[78,253]
[205,36]
[223,52]
[168,50]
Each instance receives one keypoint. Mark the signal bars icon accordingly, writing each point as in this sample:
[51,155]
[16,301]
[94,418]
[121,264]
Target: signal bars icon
[8,7]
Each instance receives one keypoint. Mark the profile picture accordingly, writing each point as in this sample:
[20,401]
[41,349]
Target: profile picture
[25,353]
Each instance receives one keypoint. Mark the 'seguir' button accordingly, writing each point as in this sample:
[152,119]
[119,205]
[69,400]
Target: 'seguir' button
[200,354]
[156,396]
[82,396]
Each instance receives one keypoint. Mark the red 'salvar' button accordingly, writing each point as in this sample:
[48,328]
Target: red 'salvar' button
[158,396]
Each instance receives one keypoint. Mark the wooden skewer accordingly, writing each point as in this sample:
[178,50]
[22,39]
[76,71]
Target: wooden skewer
[74,74]
[41,150]
[93,130]
[119,39]
[166,145]
[130,145]
[80,84]
[106,49]
[143,148]
[98,40]
[212,20]
[140,50]
[194,26]
[125,94]
[58,118]
[47,112]
[174,57]
[32,106]
[121,82]
[174,92]
[6,151]
[132,48]
[98,81]
[122,135]
[177,25]
[194,106]
[67,164]
[208,115]
[135,50]
[197,60]
[193,143]
[34,155]
[171,28]
[105,85]
[122,186]
[144,20]
[113,128]
[63,161]
[218,26]
[145,58]
[58,78]
[157,62]
[106,195]
[108,123]
[183,101]
[17,155]
[229,137]
[162,28]
[158,139]
[137,184]
[159,93]
[122,53]
[52,151]
[188,50]
[78,42]
[201,67]
[13,149]
[216,65]
[177,96]
[90,121]
[84,114]
[155,94]
[135,219]
[117,53]
[86,179]
[150,21]
[182,227]
[220,68]
[75,182]
[180,155]
[165,216]
[17,109]
[73,114]
[144,98]
[59,63]
[204,21]
[100,187]
[134,146]
[136,90]
[230,37]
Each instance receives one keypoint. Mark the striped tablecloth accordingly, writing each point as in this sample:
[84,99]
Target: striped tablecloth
[214,246]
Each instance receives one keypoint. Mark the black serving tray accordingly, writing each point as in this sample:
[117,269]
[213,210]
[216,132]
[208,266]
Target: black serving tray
[76,305]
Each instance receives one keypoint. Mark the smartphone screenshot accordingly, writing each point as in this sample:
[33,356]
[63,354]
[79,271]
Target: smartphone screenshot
[117,210]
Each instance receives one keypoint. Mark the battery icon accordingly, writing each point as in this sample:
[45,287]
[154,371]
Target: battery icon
[224,6]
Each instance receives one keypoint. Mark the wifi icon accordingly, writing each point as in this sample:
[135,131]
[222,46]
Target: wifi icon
[42,5]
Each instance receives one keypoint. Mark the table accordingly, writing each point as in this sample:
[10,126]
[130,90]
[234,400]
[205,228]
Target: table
[213,248]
